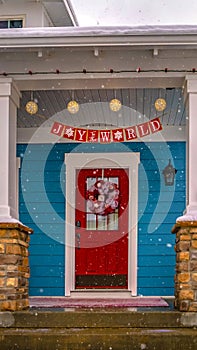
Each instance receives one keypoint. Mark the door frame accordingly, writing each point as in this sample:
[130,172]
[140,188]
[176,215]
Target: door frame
[74,161]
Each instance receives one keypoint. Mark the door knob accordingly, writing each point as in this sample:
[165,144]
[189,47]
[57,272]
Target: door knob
[78,223]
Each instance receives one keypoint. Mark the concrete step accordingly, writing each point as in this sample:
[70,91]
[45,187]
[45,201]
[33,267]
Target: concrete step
[97,318]
[98,339]
[98,329]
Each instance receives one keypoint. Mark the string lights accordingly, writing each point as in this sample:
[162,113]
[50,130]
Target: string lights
[111,71]
[73,106]
[115,105]
[160,104]
[31,106]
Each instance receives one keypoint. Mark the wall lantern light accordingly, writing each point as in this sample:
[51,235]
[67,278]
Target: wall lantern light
[169,174]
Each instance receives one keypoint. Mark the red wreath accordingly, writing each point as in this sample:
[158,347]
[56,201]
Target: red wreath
[103,197]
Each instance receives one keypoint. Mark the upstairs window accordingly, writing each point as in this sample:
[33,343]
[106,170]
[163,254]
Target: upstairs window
[11,23]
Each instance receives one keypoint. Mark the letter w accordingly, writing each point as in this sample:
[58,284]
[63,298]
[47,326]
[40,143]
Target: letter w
[105,136]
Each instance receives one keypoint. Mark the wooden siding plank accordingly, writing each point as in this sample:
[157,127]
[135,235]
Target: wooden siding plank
[156,261]
[155,249]
[47,291]
[164,291]
[46,260]
[155,271]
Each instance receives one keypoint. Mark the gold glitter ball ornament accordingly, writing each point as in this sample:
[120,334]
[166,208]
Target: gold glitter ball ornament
[160,104]
[31,107]
[115,105]
[73,107]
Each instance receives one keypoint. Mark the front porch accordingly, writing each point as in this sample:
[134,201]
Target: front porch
[40,199]
[98,328]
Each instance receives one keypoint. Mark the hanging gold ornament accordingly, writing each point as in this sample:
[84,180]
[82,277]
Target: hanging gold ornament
[31,107]
[73,107]
[115,105]
[160,104]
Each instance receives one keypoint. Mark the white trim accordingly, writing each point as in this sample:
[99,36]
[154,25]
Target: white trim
[191,160]
[18,165]
[101,293]
[13,18]
[9,100]
[75,161]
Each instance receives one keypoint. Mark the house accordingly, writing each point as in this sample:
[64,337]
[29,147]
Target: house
[91,181]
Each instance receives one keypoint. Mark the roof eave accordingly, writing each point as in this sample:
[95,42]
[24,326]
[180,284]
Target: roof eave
[95,37]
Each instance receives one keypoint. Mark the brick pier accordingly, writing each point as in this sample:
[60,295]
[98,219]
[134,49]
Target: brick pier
[14,266]
[186,266]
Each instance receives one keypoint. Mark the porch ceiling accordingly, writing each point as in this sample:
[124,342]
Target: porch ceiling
[141,100]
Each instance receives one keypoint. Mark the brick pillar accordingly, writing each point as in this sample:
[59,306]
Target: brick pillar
[14,266]
[186,266]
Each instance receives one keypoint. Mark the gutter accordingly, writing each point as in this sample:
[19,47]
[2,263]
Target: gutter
[134,37]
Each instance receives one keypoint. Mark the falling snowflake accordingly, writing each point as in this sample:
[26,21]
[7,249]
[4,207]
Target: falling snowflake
[118,135]
[143,346]
[69,132]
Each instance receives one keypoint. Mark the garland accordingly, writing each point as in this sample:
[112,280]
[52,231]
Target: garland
[107,135]
[103,197]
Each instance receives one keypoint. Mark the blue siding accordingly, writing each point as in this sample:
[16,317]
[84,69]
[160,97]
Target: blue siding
[42,207]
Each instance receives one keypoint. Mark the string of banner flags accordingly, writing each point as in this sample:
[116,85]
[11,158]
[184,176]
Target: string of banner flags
[107,135]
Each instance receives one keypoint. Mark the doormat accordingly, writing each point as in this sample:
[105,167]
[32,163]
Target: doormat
[66,302]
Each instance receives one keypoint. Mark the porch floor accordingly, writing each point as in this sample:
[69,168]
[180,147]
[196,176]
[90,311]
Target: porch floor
[111,328]
[95,302]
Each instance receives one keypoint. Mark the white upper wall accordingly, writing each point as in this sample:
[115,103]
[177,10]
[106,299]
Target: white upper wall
[33,13]
[132,12]
[40,13]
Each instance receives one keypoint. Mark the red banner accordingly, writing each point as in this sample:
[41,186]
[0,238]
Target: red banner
[107,135]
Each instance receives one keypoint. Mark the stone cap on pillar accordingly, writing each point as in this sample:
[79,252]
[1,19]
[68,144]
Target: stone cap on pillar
[185,224]
[10,223]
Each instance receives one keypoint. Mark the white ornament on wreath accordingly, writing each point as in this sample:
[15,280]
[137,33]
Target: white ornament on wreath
[103,197]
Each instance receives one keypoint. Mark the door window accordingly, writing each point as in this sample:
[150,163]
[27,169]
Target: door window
[96,221]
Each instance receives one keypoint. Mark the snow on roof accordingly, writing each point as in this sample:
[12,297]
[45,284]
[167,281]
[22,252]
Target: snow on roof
[101,31]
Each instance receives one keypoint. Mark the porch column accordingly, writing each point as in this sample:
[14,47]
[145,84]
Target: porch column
[191,164]
[186,225]
[9,101]
[14,237]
